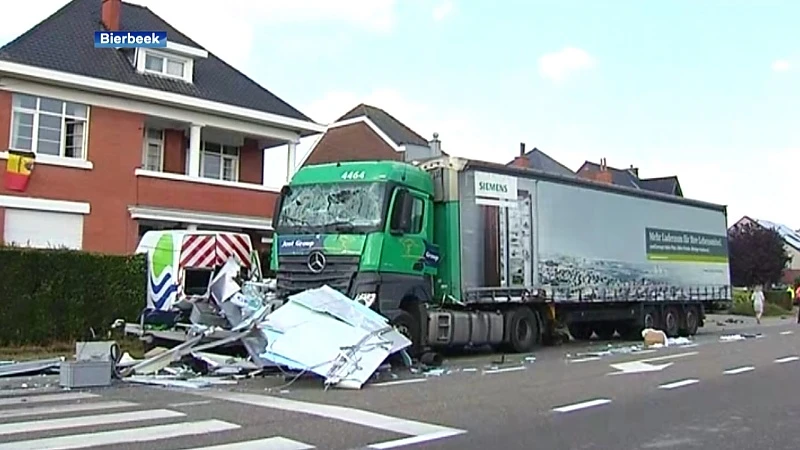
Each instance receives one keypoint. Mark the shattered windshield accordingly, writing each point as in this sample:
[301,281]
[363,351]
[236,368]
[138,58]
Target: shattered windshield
[342,207]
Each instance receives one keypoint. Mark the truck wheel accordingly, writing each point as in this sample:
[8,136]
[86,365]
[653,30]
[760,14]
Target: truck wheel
[672,321]
[409,327]
[691,322]
[521,330]
[580,331]
[649,319]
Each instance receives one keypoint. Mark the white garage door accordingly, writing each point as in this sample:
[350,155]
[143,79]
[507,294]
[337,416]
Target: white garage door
[43,229]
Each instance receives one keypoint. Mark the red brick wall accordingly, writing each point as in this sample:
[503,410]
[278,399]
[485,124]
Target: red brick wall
[115,149]
[603,176]
[356,142]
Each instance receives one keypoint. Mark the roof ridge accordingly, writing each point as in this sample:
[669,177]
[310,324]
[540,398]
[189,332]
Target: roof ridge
[400,123]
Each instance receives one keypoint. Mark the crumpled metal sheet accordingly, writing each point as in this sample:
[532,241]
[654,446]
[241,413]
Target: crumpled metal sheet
[325,332]
[30,367]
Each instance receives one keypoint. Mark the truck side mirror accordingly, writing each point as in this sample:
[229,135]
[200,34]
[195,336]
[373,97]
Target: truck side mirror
[276,212]
[401,214]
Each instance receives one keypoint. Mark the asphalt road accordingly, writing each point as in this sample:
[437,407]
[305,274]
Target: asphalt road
[712,394]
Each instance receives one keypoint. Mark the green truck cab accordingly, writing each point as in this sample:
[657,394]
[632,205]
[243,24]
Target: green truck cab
[366,229]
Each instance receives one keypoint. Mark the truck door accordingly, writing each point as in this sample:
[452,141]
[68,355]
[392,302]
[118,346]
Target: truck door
[407,248]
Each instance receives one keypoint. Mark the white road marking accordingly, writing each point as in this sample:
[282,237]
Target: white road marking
[504,370]
[62,409]
[132,435]
[184,404]
[787,359]
[46,398]
[739,370]
[637,367]
[678,384]
[395,383]
[668,357]
[590,358]
[86,421]
[273,443]
[344,414]
[787,332]
[416,439]
[582,405]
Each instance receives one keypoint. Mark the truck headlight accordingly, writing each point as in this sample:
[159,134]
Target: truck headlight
[366,298]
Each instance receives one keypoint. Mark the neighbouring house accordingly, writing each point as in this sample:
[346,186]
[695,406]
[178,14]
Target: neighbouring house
[370,133]
[629,178]
[791,242]
[129,140]
[541,161]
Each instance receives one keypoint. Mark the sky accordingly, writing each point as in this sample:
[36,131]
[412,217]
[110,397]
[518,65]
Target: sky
[708,90]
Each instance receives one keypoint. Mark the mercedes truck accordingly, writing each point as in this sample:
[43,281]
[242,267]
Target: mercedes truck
[459,252]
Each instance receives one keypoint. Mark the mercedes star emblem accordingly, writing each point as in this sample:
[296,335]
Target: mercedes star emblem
[316,262]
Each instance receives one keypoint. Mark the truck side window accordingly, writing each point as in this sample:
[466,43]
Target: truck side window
[417,216]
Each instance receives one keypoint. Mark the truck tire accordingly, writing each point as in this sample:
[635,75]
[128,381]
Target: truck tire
[691,322]
[409,327]
[521,330]
[580,331]
[672,321]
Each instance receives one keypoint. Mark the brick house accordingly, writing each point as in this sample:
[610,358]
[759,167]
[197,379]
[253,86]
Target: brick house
[629,178]
[127,140]
[370,133]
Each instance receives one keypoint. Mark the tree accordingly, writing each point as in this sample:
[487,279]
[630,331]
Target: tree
[757,255]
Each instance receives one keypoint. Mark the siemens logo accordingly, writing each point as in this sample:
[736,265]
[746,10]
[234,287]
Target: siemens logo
[493,187]
[130,39]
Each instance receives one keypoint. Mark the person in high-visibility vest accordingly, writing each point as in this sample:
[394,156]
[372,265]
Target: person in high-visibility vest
[797,301]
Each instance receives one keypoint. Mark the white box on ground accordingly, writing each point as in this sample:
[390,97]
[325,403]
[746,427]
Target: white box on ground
[80,374]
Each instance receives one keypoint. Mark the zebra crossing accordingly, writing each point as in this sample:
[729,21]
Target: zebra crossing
[69,420]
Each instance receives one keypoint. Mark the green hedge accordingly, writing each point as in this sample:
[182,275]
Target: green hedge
[49,296]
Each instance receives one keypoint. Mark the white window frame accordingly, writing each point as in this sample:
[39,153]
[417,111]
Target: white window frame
[35,135]
[141,66]
[146,147]
[236,159]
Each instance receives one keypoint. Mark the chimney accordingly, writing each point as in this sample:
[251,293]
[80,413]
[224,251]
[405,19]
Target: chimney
[521,149]
[109,13]
[634,171]
[436,146]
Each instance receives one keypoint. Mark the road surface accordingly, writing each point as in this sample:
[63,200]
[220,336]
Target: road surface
[713,394]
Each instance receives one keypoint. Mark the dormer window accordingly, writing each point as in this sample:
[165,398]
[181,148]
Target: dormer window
[164,64]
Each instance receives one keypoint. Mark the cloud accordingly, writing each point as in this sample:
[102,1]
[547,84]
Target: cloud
[781,65]
[228,29]
[557,66]
[443,10]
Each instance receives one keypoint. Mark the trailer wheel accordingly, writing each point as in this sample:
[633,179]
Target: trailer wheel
[521,330]
[691,322]
[580,331]
[672,321]
[650,319]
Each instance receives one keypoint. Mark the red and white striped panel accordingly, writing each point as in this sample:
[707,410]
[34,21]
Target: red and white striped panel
[233,245]
[207,251]
[199,251]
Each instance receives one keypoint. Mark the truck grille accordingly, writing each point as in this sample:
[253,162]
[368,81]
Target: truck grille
[294,275]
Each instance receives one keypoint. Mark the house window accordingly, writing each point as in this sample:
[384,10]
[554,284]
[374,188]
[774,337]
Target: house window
[48,126]
[220,162]
[167,65]
[153,152]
